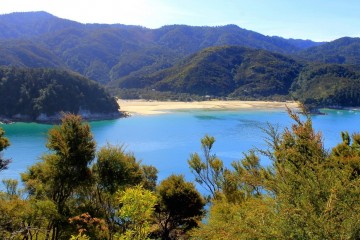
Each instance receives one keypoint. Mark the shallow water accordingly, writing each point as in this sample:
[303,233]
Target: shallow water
[167,140]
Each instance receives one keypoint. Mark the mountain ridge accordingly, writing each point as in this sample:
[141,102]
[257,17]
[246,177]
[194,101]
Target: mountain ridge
[96,50]
[224,61]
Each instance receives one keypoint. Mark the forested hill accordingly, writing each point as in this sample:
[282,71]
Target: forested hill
[224,71]
[42,94]
[251,74]
[328,85]
[180,61]
[108,52]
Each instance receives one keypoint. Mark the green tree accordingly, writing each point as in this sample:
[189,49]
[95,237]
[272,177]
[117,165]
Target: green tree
[252,218]
[316,197]
[63,171]
[180,207]
[4,143]
[149,177]
[115,169]
[242,209]
[136,211]
[307,193]
[347,153]
[210,170]
[21,218]
[245,180]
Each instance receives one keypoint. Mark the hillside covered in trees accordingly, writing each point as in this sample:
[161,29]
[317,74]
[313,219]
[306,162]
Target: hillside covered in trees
[109,52]
[236,72]
[185,62]
[345,50]
[76,192]
[42,94]
[251,74]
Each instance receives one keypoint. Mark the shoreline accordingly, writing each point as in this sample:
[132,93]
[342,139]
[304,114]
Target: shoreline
[150,107]
[56,118]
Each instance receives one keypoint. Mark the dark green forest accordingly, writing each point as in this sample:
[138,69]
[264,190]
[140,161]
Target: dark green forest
[234,72]
[29,94]
[76,192]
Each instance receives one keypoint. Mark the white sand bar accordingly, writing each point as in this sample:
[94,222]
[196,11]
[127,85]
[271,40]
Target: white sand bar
[145,107]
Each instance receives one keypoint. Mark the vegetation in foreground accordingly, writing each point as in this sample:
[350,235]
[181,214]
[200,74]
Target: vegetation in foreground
[75,192]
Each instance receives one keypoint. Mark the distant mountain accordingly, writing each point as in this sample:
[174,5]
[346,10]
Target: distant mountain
[108,52]
[23,53]
[193,39]
[42,94]
[31,24]
[341,51]
[303,44]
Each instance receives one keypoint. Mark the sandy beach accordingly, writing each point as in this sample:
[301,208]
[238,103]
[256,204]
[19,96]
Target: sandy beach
[145,107]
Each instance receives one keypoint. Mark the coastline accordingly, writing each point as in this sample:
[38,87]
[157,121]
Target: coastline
[56,118]
[151,107]
[148,107]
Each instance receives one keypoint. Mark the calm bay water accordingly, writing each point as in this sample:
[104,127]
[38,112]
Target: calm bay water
[166,141]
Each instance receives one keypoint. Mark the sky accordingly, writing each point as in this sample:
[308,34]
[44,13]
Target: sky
[318,20]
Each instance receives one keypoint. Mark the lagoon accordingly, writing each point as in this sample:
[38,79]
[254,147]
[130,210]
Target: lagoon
[166,140]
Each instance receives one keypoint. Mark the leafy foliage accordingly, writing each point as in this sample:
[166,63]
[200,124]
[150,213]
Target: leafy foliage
[88,227]
[180,207]
[66,198]
[137,207]
[210,171]
[4,143]
[308,193]
[115,169]
[63,171]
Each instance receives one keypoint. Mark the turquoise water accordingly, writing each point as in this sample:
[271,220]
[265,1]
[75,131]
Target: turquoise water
[167,140]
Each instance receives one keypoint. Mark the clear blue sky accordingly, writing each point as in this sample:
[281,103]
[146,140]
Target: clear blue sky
[319,20]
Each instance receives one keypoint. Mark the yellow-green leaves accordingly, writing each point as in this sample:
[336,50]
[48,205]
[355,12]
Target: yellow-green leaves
[4,143]
[137,206]
[210,170]
[308,193]
[115,169]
